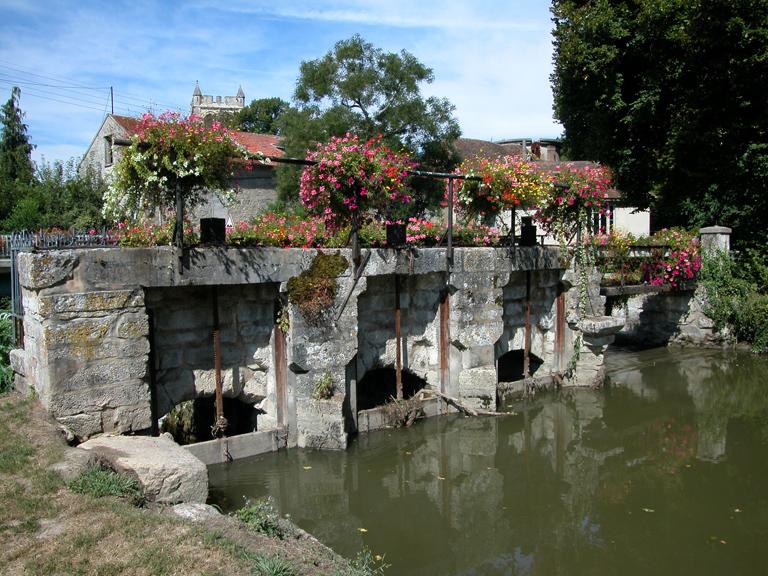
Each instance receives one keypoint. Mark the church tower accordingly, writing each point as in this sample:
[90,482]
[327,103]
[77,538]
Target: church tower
[205,105]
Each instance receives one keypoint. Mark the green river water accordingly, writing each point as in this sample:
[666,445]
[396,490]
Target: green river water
[664,471]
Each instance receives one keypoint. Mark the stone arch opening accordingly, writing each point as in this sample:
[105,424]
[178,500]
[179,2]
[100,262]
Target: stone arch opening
[378,387]
[182,354]
[510,365]
[191,421]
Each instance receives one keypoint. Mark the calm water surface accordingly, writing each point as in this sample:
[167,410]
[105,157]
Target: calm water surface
[665,471]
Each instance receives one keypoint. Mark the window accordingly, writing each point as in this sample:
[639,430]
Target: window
[108,158]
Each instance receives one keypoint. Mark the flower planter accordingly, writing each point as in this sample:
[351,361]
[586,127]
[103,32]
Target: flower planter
[395,235]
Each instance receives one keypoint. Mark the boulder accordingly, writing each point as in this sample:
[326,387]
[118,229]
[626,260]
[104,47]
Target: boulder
[168,473]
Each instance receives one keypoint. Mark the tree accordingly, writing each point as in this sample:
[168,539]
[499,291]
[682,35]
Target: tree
[16,170]
[261,116]
[59,197]
[669,93]
[361,89]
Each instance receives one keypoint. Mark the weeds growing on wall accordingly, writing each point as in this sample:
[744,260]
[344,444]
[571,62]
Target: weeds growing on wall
[314,290]
[323,388]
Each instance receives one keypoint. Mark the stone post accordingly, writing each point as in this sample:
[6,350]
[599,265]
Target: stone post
[715,238]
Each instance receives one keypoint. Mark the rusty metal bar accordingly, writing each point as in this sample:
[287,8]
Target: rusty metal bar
[445,340]
[398,342]
[219,429]
[560,328]
[281,363]
[449,237]
[527,351]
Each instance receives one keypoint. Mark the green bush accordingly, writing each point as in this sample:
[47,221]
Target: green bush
[751,324]
[260,516]
[736,295]
[98,481]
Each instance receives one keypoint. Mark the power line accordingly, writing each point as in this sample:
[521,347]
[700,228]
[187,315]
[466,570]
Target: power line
[67,84]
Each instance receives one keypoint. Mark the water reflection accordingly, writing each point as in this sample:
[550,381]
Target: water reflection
[646,474]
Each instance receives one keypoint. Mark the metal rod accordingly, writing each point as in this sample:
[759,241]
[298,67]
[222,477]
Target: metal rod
[445,338]
[178,230]
[281,363]
[449,238]
[220,427]
[527,351]
[398,362]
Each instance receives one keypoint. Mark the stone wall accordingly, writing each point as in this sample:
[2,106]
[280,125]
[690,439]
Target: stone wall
[88,337]
[666,318]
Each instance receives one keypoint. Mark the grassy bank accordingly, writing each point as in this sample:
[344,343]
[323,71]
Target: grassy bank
[48,529]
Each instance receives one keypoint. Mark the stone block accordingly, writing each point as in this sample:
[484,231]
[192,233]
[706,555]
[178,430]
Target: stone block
[108,300]
[167,473]
[478,387]
[232,382]
[17,358]
[320,424]
[38,270]
[255,388]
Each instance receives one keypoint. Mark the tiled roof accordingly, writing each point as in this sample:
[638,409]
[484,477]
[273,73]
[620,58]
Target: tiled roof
[128,123]
[472,147]
[265,143]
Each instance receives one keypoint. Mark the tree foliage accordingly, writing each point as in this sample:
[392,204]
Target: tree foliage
[59,197]
[358,88]
[670,94]
[261,116]
[16,170]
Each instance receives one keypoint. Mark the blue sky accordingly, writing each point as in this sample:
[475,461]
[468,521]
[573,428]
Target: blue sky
[491,58]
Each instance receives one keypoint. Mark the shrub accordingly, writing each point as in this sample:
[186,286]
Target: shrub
[751,321]
[98,481]
[260,516]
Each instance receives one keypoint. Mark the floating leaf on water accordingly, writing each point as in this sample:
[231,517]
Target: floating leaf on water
[440,478]
[363,530]
[737,509]
[648,510]
[307,467]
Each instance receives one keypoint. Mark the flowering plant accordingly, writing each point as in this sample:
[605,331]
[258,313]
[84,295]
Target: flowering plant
[150,234]
[283,230]
[676,260]
[169,154]
[580,191]
[500,184]
[354,177]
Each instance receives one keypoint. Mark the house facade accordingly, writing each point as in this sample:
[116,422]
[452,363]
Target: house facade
[256,187]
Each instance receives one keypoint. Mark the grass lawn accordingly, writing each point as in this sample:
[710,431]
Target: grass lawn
[47,529]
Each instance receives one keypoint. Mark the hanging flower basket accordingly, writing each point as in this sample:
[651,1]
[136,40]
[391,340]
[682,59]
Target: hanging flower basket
[500,184]
[353,177]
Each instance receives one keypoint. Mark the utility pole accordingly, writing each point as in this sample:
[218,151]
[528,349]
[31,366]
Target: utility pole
[112,99]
